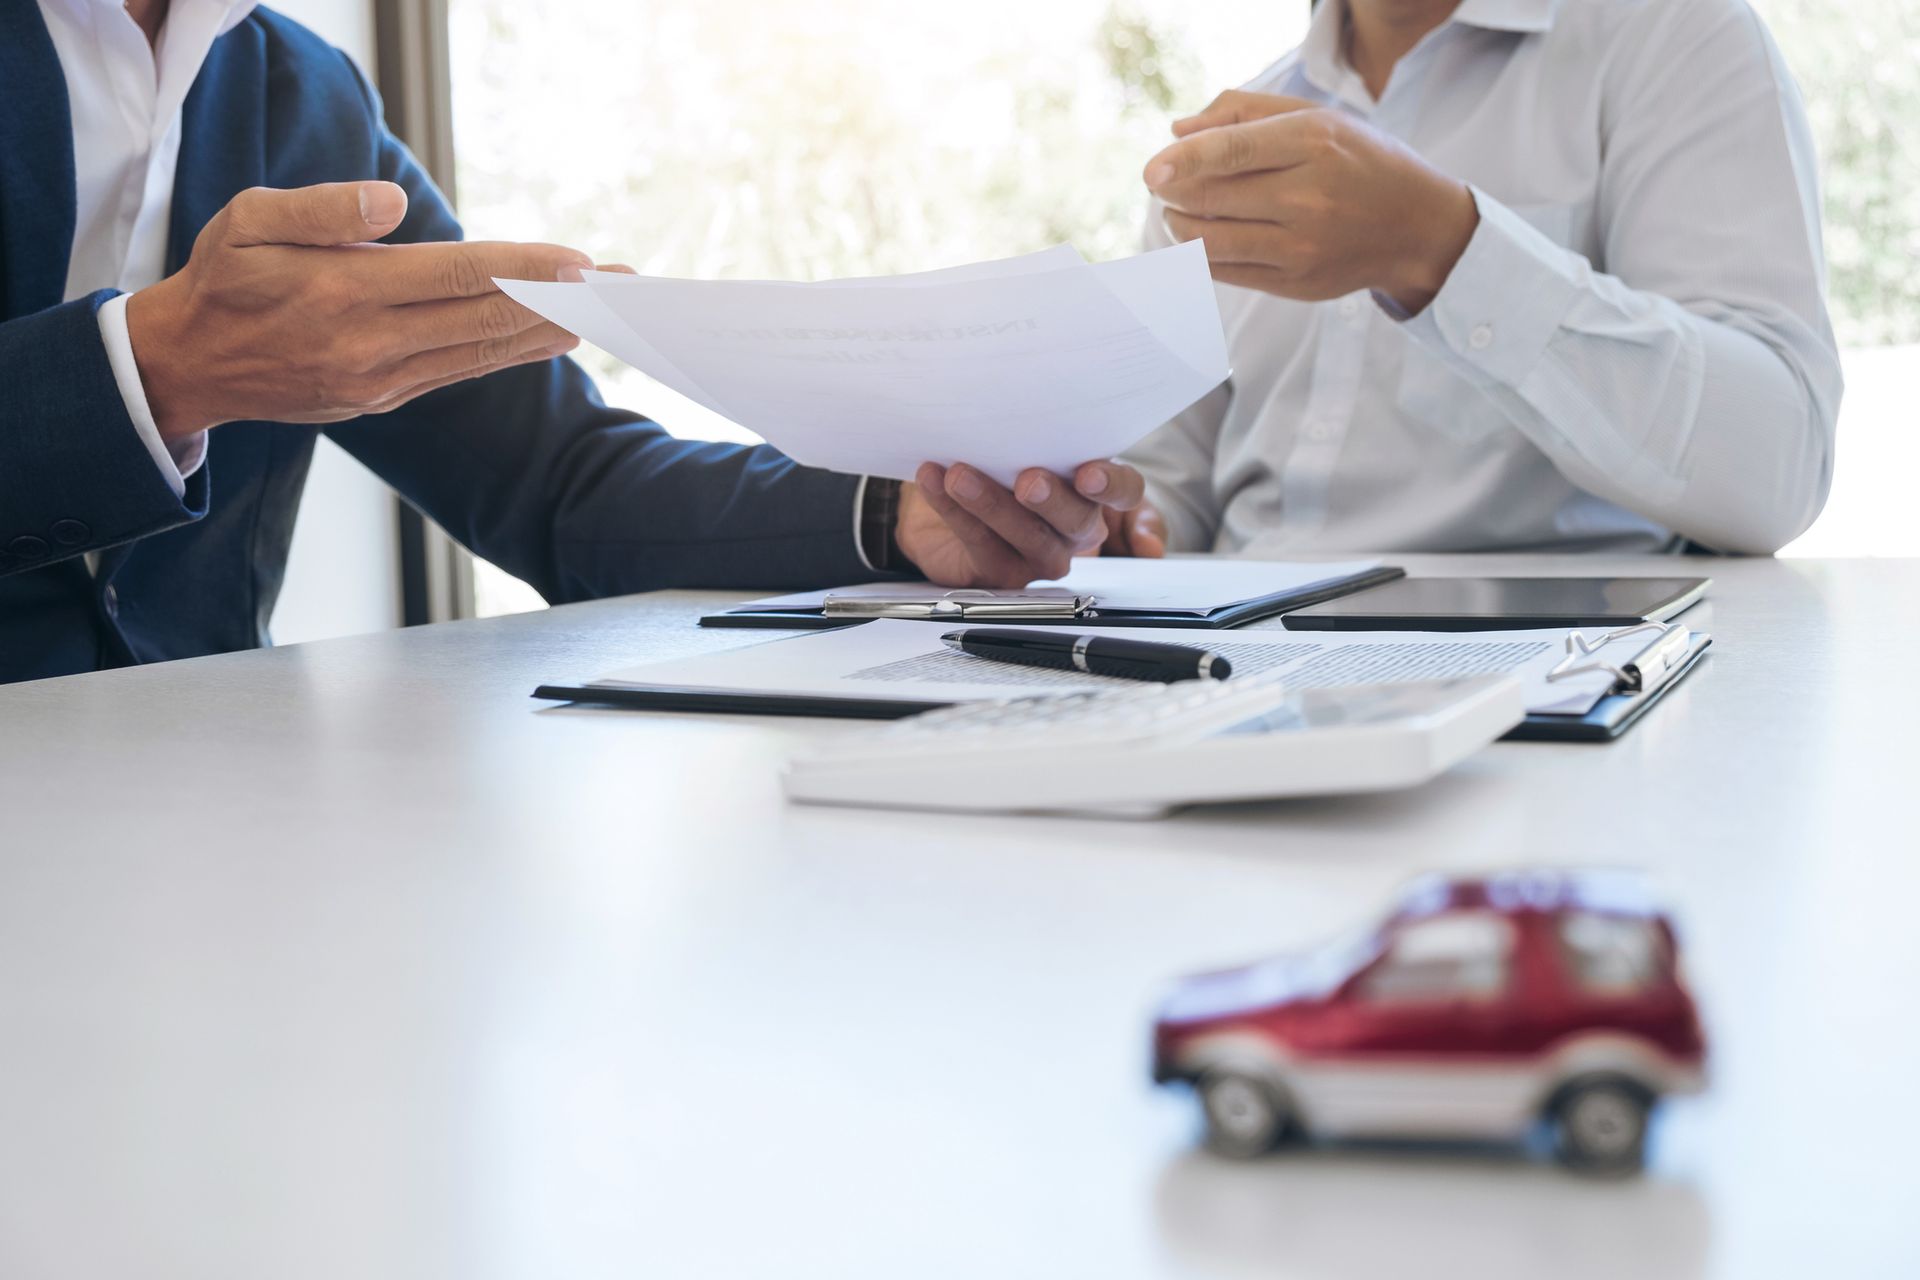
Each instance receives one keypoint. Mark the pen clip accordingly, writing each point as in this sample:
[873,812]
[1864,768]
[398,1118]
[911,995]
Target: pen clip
[961,604]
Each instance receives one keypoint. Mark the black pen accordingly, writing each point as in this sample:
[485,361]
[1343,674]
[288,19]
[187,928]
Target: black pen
[1095,655]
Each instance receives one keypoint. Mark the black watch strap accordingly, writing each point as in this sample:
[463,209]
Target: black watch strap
[879,512]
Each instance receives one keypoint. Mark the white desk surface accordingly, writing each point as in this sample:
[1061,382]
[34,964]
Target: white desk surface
[347,959]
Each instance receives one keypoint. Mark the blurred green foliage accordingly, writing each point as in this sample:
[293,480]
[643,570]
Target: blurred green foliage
[1858,66]
[1151,67]
[793,140]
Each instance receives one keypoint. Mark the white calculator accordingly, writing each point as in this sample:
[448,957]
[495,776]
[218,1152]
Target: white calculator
[1139,752]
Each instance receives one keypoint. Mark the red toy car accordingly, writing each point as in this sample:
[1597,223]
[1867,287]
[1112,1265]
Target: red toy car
[1477,1009]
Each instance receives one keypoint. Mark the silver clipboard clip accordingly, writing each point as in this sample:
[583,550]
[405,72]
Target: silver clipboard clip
[1649,669]
[1048,602]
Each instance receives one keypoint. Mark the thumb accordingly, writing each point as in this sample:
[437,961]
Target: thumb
[330,213]
[1146,536]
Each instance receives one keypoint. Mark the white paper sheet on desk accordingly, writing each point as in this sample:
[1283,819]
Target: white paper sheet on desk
[1180,585]
[1040,361]
[894,659]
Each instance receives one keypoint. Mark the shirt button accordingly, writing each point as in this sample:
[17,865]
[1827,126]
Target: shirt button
[1319,429]
[28,547]
[1350,307]
[1481,338]
[111,599]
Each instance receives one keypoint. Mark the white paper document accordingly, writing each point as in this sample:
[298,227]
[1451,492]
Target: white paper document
[1039,361]
[1196,586]
[897,660]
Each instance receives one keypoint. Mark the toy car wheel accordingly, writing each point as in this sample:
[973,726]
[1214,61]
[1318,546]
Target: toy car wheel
[1601,1127]
[1246,1115]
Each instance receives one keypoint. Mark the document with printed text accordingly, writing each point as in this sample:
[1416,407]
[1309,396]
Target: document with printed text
[898,660]
[1040,361]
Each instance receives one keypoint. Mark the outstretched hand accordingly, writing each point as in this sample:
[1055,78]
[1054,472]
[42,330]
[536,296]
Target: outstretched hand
[963,529]
[286,311]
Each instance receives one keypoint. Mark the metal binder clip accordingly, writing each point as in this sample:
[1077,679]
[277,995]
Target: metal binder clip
[1647,670]
[1040,603]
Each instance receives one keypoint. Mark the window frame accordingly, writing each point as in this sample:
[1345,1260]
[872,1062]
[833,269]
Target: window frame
[415,76]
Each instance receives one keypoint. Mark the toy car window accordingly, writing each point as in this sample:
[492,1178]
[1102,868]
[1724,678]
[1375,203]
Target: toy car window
[1610,953]
[1450,957]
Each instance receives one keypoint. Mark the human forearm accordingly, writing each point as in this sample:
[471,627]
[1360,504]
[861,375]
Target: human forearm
[529,469]
[1715,421]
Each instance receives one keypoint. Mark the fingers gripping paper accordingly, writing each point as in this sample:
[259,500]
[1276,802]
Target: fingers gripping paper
[1040,361]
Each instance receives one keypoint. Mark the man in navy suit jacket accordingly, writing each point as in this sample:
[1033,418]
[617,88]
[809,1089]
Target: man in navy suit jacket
[280,314]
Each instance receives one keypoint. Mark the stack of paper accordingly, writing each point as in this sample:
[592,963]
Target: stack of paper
[1038,361]
[897,661]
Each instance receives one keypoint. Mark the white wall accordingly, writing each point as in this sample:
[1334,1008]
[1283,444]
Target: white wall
[348,23]
[343,575]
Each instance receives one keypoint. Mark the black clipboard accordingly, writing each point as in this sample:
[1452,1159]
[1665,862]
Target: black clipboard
[1614,714]
[733,704]
[1234,615]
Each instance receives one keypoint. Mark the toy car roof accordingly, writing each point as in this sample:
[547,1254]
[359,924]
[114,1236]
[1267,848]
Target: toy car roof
[1611,891]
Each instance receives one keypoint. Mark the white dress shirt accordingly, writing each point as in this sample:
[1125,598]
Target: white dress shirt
[1634,345]
[125,97]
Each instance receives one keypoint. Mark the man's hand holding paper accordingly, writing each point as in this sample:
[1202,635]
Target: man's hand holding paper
[964,529]
[997,389]
[322,326]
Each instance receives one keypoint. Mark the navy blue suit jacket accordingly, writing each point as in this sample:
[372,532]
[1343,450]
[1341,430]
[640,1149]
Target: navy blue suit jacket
[526,466]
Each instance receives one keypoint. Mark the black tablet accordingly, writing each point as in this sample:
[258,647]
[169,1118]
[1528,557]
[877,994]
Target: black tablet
[1501,604]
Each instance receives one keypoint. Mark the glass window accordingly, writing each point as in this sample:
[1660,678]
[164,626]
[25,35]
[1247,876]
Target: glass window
[1858,67]
[778,140]
[1458,956]
[766,138]
[1610,955]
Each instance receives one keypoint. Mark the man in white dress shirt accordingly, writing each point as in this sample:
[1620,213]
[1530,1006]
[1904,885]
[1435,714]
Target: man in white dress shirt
[1503,274]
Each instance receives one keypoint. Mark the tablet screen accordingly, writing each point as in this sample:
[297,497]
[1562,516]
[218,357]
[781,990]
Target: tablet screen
[1491,603]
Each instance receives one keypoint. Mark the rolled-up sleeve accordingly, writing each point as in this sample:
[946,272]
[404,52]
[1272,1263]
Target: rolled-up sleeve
[1696,379]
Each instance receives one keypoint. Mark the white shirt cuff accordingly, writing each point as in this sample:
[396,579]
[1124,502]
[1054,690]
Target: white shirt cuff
[859,508]
[177,460]
[1504,300]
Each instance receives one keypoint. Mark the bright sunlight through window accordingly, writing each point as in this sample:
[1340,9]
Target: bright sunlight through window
[756,139]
